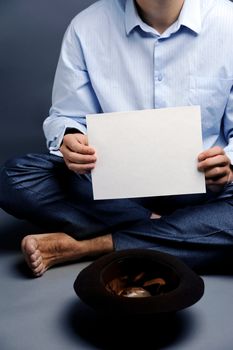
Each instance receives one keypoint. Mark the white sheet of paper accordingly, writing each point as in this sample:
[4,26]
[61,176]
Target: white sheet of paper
[146,153]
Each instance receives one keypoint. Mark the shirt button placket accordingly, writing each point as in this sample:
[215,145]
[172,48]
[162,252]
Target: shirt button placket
[158,77]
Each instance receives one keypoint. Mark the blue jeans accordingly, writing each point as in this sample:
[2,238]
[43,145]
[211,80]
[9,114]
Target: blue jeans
[195,228]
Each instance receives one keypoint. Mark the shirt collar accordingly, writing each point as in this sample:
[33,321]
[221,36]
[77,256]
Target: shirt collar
[132,18]
[190,17]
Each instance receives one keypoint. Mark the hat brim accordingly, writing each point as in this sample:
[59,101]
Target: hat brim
[90,284]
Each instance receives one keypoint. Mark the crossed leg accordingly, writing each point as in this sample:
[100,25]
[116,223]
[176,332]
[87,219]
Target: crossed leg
[40,188]
[45,250]
[200,231]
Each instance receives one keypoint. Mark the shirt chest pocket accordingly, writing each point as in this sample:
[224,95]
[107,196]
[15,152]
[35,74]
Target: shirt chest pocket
[211,94]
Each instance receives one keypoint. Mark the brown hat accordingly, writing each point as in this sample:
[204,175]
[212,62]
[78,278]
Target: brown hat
[138,282]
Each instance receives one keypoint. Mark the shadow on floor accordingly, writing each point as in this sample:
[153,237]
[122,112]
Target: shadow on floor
[108,333]
[12,231]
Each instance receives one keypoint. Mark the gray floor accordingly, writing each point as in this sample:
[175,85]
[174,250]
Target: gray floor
[45,313]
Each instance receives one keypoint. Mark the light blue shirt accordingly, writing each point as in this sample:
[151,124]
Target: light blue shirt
[112,61]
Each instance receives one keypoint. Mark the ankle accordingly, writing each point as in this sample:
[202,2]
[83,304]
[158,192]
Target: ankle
[99,245]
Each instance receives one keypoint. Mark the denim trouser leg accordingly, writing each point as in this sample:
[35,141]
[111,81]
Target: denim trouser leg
[201,234]
[41,189]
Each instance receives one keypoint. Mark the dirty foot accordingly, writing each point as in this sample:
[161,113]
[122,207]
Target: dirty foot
[45,250]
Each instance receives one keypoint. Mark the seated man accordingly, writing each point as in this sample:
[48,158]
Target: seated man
[121,55]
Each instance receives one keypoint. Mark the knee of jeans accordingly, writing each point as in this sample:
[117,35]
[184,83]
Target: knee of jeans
[8,197]
[22,167]
[11,169]
[25,162]
[14,164]
[11,178]
[11,174]
[4,194]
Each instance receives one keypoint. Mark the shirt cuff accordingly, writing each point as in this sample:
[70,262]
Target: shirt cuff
[55,143]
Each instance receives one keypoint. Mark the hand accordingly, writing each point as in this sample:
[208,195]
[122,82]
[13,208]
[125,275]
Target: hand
[216,166]
[78,156]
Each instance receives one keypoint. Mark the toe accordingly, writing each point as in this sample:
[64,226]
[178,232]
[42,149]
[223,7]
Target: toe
[29,245]
[36,263]
[31,252]
[35,256]
[39,270]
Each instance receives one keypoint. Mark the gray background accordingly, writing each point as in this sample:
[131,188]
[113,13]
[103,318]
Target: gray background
[31,32]
[45,313]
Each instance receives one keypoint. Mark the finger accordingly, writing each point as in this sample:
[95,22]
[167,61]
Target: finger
[80,168]
[74,157]
[216,161]
[211,152]
[78,158]
[217,173]
[217,182]
[77,143]
[80,148]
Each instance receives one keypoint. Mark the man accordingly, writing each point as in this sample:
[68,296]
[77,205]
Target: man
[120,55]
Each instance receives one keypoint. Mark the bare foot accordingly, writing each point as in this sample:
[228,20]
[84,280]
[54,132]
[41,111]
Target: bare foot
[45,250]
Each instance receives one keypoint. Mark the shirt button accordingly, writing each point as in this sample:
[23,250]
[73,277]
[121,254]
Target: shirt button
[160,77]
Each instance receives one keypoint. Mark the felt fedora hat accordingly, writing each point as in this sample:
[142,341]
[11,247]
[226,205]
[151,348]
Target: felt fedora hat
[138,282]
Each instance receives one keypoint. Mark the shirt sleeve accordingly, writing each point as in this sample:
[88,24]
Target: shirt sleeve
[73,96]
[228,126]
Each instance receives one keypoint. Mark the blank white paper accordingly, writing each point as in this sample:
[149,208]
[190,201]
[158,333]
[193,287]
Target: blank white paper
[146,153]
